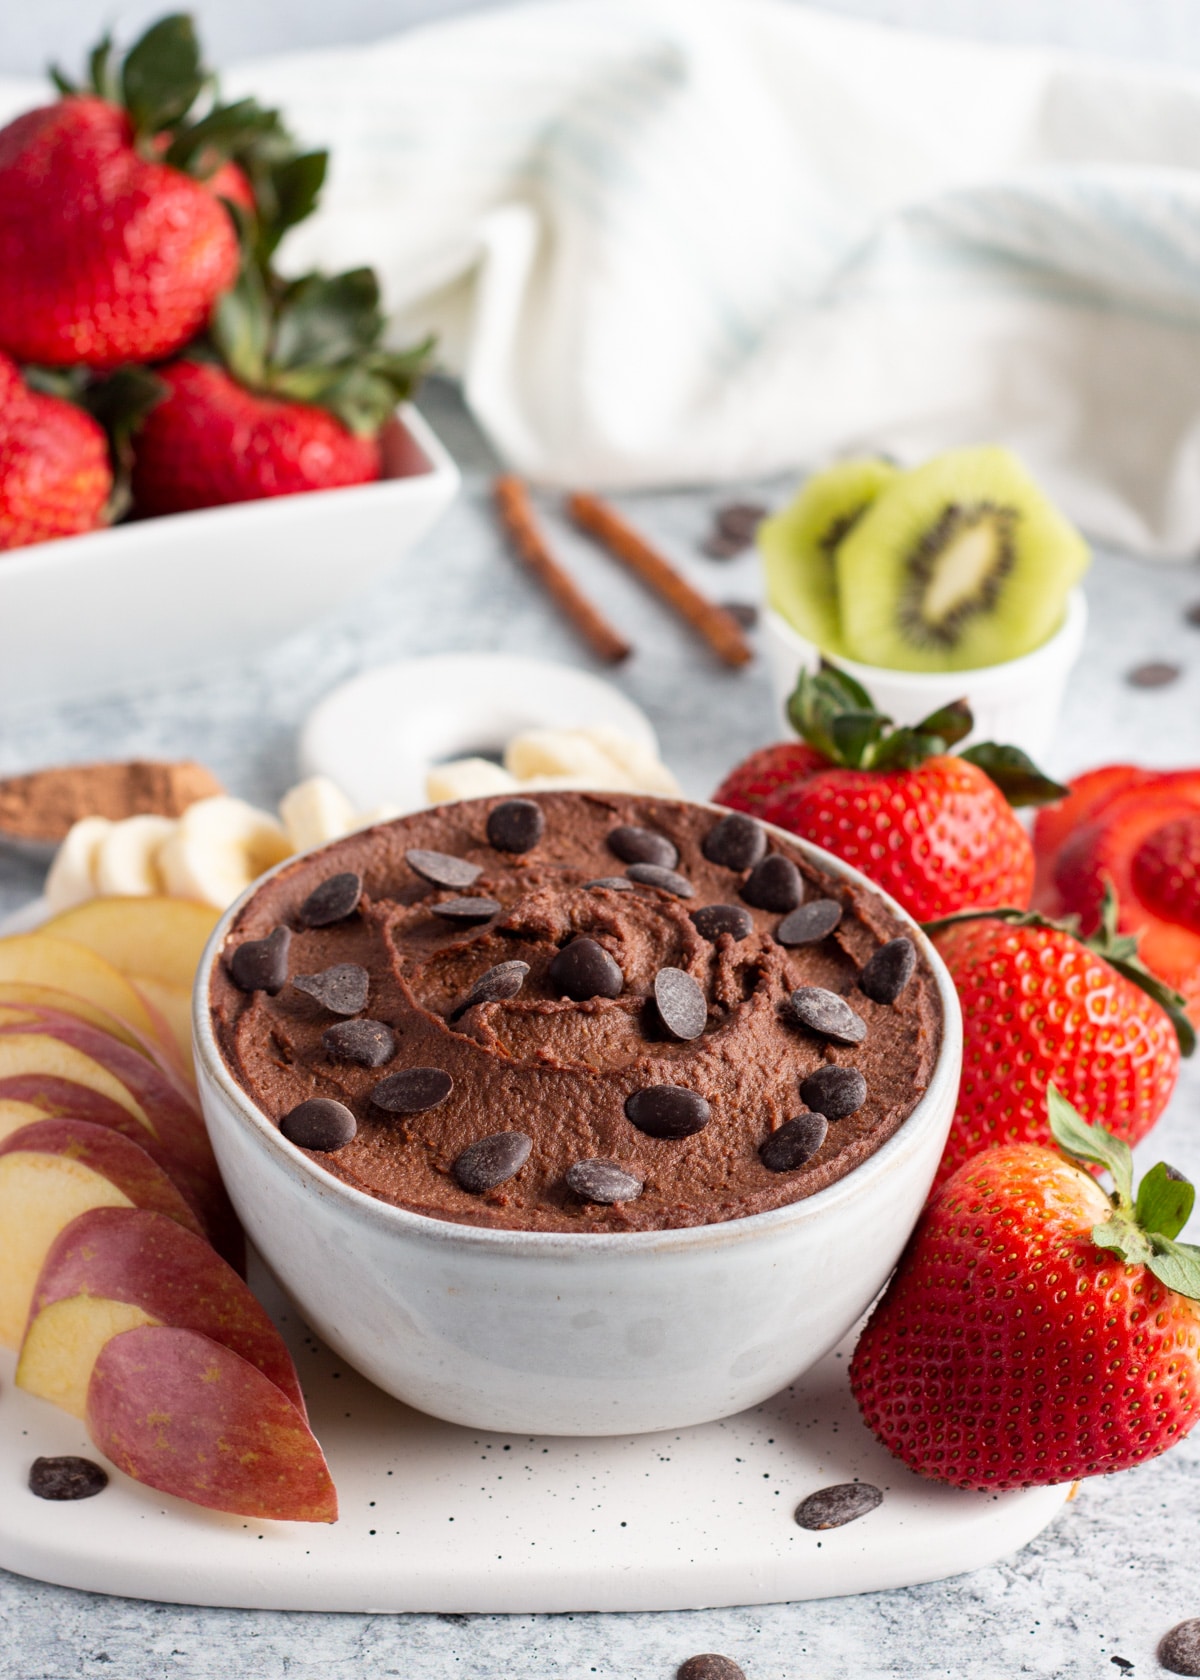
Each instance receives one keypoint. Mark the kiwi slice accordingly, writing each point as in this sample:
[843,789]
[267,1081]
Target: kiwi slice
[798,546]
[960,563]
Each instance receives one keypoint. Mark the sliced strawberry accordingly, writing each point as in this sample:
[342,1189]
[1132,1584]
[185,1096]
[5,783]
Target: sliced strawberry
[1166,871]
[1055,824]
[752,783]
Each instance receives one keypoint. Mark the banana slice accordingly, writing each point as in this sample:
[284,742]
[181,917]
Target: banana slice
[315,812]
[377,814]
[562,752]
[467,778]
[126,860]
[219,847]
[635,760]
[71,879]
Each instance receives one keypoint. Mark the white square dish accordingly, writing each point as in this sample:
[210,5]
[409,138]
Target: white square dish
[170,596]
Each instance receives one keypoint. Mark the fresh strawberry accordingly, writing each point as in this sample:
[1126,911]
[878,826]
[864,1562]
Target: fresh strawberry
[1038,1330]
[935,831]
[1040,1007]
[1166,871]
[750,784]
[298,404]
[1054,824]
[55,478]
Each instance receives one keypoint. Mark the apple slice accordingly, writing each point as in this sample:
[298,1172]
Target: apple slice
[174,1008]
[158,939]
[37,959]
[16,994]
[14,1116]
[188,1416]
[50,1173]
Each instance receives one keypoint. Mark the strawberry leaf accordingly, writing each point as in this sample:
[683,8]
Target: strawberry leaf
[241,328]
[1075,1137]
[1164,1201]
[953,723]
[100,71]
[904,749]
[162,75]
[1015,774]
[287,190]
[1178,1266]
[1124,1238]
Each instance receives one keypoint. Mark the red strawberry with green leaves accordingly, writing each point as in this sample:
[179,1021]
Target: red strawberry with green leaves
[753,782]
[55,479]
[294,399]
[934,830]
[1038,1330]
[1042,1006]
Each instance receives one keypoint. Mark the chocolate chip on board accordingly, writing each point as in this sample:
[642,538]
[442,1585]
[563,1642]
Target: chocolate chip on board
[503,981]
[718,547]
[834,1091]
[682,1006]
[889,970]
[774,884]
[369,1043]
[515,825]
[341,989]
[793,1143]
[712,920]
[744,613]
[1193,614]
[583,969]
[827,1014]
[468,912]
[1179,1650]
[602,1181]
[413,1091]
[260,965]
[642,845]
[491,1161]
[739,519]
[810,923]
[736,842]
[320,1123]
[666,880]
[832,1507]
[667,1111]
[709,1666]
[440,869]
[336,898]
[1155,673]
[68,1477]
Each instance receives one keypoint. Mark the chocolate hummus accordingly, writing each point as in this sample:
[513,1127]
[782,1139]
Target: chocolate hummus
[575,1013]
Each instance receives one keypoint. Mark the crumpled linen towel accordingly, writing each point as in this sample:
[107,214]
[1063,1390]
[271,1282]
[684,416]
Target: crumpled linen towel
[670,241]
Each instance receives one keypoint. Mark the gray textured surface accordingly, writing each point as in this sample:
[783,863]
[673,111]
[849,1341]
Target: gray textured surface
[1114,1571]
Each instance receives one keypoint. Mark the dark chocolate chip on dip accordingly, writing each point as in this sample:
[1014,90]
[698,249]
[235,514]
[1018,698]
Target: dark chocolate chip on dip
[492,1161]
[602,1181]
[666,880]
[342,989]
[774,884]
[796,1142]
[320,1123]
[889,970]
[827,1015]
[638,845]
[809,923]
[515,825]
[736,842]
[336,898]
[468,912]
[468,1032]
[260,965]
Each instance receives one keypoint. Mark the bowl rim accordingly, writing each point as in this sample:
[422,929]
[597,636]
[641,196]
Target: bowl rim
[977,679]
[577,1246]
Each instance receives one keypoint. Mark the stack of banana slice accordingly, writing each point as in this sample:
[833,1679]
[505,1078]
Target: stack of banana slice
[555,758]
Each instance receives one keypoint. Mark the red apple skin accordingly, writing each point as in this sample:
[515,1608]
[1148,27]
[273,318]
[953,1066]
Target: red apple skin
[195,1174]
[188,1416]
[148,1261]
[122,1162]
[158,1091]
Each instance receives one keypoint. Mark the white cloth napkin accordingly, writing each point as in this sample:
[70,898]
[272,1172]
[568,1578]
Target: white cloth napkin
[684,240]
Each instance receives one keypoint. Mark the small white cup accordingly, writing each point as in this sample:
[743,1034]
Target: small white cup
[1016,703]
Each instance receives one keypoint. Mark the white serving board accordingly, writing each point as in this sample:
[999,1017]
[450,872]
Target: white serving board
[439,1518]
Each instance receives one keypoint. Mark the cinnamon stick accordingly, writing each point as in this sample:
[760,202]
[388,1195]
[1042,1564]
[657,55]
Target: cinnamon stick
[516,511]
[719,628]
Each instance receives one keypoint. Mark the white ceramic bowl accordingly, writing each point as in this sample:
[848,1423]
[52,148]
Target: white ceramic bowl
[541,1333]
[171,596]
[1016,703]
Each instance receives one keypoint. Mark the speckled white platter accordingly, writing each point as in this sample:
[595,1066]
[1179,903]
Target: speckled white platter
[439,1518]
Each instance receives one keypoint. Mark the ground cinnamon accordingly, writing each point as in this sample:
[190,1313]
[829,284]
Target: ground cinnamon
[42,805]
[516,510]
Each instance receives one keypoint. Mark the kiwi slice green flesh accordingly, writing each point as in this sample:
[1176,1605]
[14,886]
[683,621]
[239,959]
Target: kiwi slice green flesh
[799,543]
[961,563]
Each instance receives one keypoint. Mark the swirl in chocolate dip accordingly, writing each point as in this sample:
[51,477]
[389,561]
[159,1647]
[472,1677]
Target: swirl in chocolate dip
[567,1049]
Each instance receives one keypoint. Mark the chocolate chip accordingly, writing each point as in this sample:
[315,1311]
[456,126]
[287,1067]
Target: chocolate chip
[667,1111]
[412,1091]
[666,880]
[889,970]
[467,911]
[369,1043]
[583,969]
[66,1478]
[1179,1650]
[736,842]
[809,923]
[642,845]
[336,898]
[1155,673]
[260,965]
[834,1091]
[740,519]
[515,825]
[320,1123]
[503,981]
[341,989]
[441,869]
[828,1014]
[492,1161]
[774,884]
[1193,614]
[718,547]
[844,1502]
[682,1006]
[712,920]
[614,883]
[744,613]
[603,1181]
[795,1142]
[709,1666]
